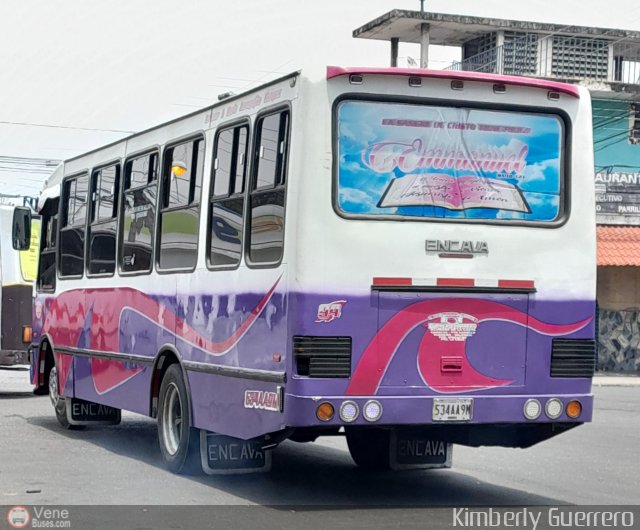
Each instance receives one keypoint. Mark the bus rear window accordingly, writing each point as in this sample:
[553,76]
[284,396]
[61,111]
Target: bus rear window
[399,160]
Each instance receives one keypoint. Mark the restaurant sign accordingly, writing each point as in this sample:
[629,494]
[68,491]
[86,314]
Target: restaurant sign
[618,198]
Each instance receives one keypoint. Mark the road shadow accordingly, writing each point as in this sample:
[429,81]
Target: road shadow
[312,476]
[16,394]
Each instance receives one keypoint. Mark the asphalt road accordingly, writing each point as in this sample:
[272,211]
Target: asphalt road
[40,463]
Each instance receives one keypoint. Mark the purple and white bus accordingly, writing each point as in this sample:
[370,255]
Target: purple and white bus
[406,257]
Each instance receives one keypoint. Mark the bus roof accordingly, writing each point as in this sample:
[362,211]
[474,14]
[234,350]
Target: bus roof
[565,88]
[52,185]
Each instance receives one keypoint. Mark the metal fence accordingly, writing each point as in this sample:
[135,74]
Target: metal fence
[560,57]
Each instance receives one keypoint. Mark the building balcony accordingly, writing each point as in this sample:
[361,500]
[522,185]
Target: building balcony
[605,60]
[601,65]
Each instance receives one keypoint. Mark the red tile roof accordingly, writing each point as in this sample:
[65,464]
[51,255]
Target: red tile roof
[618,245]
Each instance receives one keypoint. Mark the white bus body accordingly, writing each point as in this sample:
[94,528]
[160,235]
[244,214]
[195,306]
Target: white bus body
[393,248]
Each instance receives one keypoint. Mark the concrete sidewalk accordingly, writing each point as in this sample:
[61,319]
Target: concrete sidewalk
[616,380]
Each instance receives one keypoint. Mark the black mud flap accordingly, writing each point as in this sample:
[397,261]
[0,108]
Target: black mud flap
[412,450]
[80,412]
[225,455]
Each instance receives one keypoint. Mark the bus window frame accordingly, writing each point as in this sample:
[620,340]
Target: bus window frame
[160,209]
[252,180]
[62,213]
[151,150]
[248,168]
[564,209]
[55,233]
[90,223]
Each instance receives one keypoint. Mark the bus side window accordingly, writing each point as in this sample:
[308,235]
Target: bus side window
[267,198]
[47,261]
[74,215]
[179,217]
[137,228]
[226,203]
[101,237]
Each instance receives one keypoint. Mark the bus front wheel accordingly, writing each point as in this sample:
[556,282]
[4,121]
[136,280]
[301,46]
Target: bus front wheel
[369,447]
[179,441]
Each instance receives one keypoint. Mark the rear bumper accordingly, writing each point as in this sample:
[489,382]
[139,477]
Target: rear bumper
[300,411]
[13,357]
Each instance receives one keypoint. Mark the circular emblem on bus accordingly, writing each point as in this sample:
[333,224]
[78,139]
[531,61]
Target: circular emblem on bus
[18,517]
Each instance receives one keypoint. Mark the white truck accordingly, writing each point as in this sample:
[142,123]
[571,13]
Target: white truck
[18,269]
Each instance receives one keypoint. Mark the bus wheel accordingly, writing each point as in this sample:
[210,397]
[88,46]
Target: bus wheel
[179,441]
[369,447]
[58,402]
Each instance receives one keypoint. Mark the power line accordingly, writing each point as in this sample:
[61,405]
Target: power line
[613,139]
[30,159]
[27,170]
[65,127]
[611,166]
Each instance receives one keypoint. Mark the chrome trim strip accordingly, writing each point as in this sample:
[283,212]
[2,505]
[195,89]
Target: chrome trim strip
[237,372]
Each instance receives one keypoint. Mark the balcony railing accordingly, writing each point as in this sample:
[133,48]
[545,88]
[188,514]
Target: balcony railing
[558,57]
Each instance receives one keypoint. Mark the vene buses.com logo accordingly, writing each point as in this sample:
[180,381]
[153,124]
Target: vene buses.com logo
[38,517]
[18,517]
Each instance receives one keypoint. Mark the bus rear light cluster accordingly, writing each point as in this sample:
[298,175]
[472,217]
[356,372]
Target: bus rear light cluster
[349,411]
[325,411]
[372,410]
[574,409]
[532,409]
[553,409]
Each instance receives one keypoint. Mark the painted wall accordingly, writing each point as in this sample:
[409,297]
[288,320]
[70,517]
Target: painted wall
[618,288]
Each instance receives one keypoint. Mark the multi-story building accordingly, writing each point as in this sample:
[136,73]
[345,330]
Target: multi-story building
[607,61]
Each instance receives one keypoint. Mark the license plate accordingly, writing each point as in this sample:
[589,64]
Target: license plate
[452,409]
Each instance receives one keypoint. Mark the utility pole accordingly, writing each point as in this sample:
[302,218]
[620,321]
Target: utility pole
[424,40]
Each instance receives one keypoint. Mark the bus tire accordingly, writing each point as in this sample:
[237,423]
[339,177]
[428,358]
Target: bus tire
[369,447]
[59,402]
[179,441]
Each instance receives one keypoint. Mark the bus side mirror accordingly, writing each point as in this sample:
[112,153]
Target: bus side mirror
[21,235]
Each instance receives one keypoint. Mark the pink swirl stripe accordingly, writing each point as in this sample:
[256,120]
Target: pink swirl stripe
[380,351]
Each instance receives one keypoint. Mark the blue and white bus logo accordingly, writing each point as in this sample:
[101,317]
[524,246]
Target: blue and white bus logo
[18,517]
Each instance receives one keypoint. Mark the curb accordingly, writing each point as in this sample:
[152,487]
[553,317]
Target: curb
[616,380]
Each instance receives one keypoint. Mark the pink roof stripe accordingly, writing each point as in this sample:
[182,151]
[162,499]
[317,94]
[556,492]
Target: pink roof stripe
[565,88]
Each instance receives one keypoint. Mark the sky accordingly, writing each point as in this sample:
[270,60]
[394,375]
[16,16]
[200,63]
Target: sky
[78,74]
